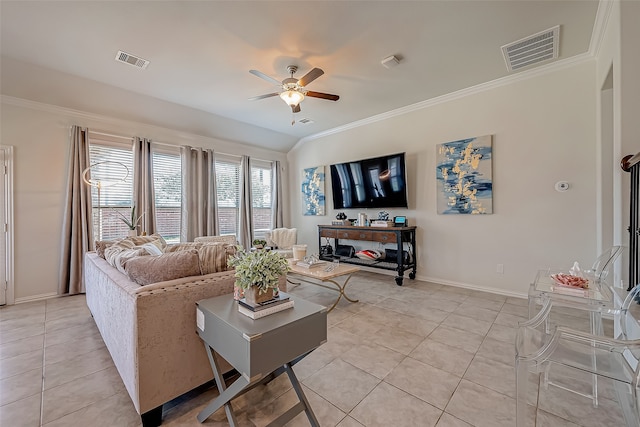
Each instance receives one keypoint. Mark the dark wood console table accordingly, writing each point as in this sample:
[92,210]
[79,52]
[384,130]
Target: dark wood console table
[386,235]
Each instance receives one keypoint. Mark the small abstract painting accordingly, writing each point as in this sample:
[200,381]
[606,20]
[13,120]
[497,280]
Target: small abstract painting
[313,191]
[463,175]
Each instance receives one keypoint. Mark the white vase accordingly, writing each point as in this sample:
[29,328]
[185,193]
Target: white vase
[132,233]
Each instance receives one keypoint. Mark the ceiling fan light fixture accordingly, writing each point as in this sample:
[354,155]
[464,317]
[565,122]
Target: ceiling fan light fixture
[292,97]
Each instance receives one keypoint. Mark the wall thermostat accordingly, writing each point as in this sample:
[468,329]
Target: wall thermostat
[562,186]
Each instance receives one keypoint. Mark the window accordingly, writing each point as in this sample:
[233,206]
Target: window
[261,185]
[113,200]
[167,186]
[228,193]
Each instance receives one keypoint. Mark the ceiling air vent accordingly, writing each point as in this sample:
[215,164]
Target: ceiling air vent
[305,121]
[135,61]
[534,49]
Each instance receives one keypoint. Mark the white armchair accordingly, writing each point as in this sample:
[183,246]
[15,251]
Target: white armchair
[282,240]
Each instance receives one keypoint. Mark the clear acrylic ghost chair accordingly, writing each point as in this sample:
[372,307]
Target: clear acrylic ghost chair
[615,359]
[602,265]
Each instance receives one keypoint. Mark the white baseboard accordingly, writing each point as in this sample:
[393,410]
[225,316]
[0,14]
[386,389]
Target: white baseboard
[36,298]
[439,281]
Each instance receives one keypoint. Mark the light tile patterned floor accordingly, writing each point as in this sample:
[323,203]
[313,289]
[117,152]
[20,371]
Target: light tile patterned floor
[417,355]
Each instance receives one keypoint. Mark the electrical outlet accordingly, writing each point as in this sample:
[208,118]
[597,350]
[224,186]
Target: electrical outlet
[500,268]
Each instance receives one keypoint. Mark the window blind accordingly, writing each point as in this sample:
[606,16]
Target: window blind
[261,184]
[167,185]
[228,194]
[113,201]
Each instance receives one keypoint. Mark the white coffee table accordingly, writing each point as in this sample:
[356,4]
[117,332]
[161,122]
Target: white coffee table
[320,276]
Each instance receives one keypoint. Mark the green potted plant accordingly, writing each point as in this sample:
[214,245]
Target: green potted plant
[132,222]
[258,273]
[259,243]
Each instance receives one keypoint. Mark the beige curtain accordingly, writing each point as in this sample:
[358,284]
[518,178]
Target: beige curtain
[277,220]
[143,191]
[77,229]
[198,193]
[245,225]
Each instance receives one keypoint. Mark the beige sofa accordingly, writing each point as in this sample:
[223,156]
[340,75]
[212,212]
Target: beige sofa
[150,331]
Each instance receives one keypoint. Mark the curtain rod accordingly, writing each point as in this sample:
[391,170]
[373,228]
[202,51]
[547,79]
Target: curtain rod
[629,161]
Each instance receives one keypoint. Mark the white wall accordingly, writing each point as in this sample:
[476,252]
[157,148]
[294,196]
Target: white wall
[544,131]
[39,134]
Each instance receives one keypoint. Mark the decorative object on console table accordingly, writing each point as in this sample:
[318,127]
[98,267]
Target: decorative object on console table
[400,221]
[465,188]
[378,223]
[313,191]
[258,273]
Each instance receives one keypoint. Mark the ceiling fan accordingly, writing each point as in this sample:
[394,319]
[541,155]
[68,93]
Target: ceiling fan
[294,90]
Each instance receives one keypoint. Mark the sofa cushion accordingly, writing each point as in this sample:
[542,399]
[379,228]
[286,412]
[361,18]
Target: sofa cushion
[145,270]
[129,242]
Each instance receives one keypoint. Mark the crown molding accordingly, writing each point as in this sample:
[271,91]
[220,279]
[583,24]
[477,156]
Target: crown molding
[599,27]
[483,87]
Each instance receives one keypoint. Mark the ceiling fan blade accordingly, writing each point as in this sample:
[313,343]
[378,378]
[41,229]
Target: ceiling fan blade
[295,108]
[328,96]
[310,76]
[268,95]
[265,77]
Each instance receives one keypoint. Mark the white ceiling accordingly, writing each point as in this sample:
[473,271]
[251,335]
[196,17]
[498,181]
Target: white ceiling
[201,51]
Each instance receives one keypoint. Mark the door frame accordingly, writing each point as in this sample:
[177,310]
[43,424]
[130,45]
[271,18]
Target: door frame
[9,241]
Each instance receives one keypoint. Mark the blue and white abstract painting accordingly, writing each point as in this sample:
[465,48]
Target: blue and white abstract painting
[463,175]
[313,191]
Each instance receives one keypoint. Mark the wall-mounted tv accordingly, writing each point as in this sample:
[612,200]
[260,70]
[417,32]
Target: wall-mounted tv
[378,182]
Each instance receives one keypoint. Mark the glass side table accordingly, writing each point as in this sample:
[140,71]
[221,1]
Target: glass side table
[596,299]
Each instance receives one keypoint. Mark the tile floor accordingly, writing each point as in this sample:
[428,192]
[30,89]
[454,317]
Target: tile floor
[418,355]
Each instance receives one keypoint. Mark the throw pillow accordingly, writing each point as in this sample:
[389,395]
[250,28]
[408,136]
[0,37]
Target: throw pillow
[213,257]
[117,255]
[141,240]
[101,245]
[154,248]
[145,270]
[186,246]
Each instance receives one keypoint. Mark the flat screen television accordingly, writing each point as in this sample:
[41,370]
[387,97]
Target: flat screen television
[379,182]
